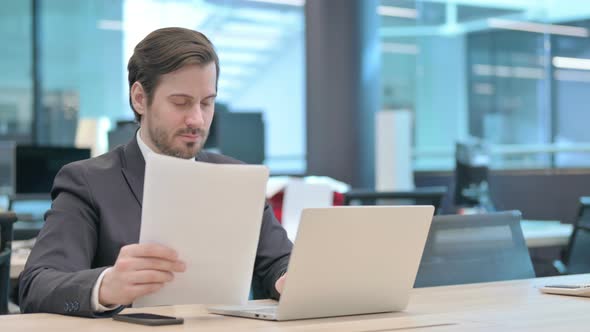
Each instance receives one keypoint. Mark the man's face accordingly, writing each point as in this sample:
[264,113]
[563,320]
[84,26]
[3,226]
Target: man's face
[178,120]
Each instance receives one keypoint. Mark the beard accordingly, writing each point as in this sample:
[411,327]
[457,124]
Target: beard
[165,142]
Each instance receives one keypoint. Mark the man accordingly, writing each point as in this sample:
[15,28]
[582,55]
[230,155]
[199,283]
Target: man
[86,260]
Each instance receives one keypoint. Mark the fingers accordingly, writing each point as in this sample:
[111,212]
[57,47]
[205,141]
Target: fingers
[152,250]
[150,277]
[140,290]
[140,269]
[143,263]
[280,284]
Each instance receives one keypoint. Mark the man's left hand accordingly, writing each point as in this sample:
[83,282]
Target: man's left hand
[281,283]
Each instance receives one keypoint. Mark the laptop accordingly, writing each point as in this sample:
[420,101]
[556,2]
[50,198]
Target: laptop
[348,260]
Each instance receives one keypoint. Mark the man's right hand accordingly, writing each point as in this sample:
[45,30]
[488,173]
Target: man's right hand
[140,269]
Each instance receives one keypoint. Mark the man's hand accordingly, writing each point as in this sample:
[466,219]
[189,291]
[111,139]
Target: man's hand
[140,269]
[281,283]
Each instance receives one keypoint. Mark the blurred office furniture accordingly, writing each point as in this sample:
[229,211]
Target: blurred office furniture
[92,133]
[6,221]
[276,188]
[576,258]
[7,167]
[463,249]
[239,135]
[36,166]
[471,176]
[419,196]
[122,133]
[299,195]
[393,151]
[30,211]
[546,233]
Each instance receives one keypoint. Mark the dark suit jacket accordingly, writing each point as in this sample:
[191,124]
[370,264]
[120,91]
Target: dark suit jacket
[96,210]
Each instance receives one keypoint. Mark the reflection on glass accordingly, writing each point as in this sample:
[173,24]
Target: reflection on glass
[513,74]
[16,85]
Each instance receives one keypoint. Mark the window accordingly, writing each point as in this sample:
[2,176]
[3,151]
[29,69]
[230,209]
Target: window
[261,49]
[512,73]
[16,84]
[85,47]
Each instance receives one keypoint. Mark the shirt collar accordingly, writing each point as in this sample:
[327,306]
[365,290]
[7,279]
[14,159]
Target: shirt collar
[144,148]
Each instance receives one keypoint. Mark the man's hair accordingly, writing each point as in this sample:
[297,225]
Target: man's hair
[164,51]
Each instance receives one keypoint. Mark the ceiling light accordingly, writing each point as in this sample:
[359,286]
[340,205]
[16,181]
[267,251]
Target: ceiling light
[553,29]
[297,3]
[397,12]
[571,63]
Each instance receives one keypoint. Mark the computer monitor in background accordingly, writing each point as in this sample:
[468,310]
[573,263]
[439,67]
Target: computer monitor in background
[122,133]
[241,135]
[36,166]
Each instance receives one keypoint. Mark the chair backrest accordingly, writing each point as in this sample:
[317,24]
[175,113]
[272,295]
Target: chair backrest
[577,255]
[419,196]
[6,221]
[463,249]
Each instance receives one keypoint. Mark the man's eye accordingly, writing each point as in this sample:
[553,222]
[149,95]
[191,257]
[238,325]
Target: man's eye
[180,103]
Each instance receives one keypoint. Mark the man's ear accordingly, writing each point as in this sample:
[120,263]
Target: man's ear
[138,98]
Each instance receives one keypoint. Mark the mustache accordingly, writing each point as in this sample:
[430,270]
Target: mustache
[192,131]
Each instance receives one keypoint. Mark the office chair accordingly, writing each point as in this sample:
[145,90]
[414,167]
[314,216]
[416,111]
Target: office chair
[420,196]
[576,258]
[6,221]
[463,249]
[471,175]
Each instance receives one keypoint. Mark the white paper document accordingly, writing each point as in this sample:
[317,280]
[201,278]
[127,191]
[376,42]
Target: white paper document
[211,215]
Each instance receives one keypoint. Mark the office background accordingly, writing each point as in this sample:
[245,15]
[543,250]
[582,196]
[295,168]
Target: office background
[513,73]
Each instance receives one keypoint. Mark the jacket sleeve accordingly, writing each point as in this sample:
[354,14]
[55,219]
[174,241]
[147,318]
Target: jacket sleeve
[272,257]
[58,277]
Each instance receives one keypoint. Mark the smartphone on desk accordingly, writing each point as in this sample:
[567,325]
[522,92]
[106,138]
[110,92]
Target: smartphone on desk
[148,319]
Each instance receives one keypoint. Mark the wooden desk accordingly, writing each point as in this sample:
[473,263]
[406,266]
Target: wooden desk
[539,233]
[497,306]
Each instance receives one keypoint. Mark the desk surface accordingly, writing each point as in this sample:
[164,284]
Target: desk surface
[539,233]
[497,306]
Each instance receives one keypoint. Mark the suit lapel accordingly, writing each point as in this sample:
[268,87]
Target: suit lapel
[134,168]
